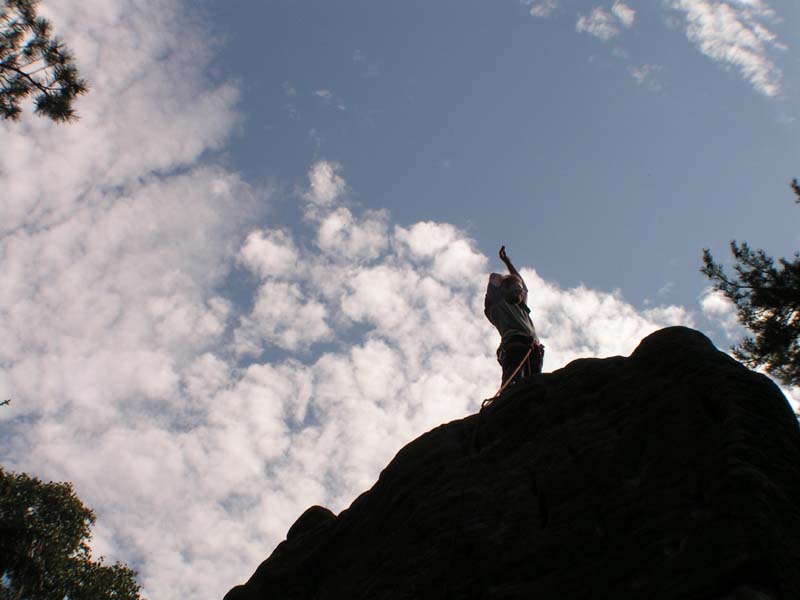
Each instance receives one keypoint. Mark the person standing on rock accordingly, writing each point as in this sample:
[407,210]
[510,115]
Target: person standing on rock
[505,305]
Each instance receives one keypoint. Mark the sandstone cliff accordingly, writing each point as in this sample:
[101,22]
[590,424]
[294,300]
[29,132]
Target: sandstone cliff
[673,473]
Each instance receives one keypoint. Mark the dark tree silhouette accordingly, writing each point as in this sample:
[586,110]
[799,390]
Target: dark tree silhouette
[767,298]
[44,546]
[35,63]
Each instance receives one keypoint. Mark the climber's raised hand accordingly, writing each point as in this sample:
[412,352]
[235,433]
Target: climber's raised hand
[503,255]
[511,268]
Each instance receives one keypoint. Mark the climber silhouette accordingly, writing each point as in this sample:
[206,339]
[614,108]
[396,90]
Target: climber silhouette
[520,353]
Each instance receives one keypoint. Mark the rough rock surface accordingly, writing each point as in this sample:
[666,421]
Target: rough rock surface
[674,473]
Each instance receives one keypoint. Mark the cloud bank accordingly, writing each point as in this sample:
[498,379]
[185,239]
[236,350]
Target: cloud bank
[127,381]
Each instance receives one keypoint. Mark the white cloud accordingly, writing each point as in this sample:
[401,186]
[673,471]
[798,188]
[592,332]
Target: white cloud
[426,239]
[269,253]
[735,34]
[116,43]
[326,184]
[451,257]
[646,75]
[583,322]
[342,235]
[604,25]
[284,316]
[542,8]
[717,308]
[599,23]
[324,94]
[624,13]
[110,308]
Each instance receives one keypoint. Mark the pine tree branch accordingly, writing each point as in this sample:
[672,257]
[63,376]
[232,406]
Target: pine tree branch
[42,88]
[42,68]
[29,63]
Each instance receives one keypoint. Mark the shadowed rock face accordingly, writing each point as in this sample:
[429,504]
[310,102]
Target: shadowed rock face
[669,474]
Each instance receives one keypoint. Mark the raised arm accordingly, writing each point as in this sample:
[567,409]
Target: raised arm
[510,266]
[493,292]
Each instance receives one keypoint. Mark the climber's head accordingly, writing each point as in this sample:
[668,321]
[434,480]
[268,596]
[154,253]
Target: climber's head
[513,290]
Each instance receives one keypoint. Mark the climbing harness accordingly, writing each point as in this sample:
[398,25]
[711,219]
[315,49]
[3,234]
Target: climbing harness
[514,374]
[539,348]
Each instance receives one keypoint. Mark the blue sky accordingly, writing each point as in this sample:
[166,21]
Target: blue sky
[525,131]
[254,269]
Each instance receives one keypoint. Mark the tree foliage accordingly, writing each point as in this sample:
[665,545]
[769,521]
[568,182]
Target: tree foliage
[767,299]
[35,63]
[44,546]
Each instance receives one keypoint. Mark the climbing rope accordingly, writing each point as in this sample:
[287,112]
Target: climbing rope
[508,381]
[514,374]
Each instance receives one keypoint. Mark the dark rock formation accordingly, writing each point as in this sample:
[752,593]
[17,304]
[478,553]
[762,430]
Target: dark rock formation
[674,473]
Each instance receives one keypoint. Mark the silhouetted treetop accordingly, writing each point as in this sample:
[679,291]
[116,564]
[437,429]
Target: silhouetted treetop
[44,546]
[767,299]
[35,63]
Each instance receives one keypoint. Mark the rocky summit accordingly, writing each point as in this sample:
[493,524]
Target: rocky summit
[673,473]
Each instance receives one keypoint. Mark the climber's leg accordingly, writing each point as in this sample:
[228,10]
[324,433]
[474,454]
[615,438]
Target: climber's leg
[512,354]
[537,359]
